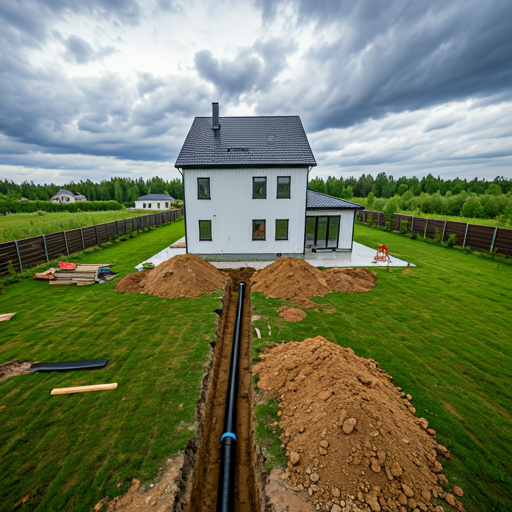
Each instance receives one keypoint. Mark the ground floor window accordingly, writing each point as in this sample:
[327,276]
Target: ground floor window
[149,205]
[258,230]
[143,205]
[205,230]
[167,205]
[281,229]
[322,231]
[158,205]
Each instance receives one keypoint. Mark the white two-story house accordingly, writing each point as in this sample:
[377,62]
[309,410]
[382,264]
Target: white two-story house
[246,191]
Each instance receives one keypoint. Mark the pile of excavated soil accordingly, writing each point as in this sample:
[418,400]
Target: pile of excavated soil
[14,368]
[351,436]
[296,280]
[291,314]
[185,275]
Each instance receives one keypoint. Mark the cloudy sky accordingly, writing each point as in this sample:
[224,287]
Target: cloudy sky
[101,88]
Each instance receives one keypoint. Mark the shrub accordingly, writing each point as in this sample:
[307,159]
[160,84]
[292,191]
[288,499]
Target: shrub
[404,226]
[390,222]
[414,236]
[369,220]
[438,234]
[452,240]
[473,208]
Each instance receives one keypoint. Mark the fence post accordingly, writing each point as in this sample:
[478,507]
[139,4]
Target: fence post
[66,240]
[412,225]
[82,234]
[494,238]
[96,232]
[19,257]
[465,235]
[444,231]
[425,230]
[45,249]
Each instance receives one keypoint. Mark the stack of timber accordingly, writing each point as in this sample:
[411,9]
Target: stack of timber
[82,275]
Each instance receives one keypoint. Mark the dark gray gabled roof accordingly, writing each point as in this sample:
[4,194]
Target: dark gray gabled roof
[246,142]
[319,201]
[155,197]
[63,192]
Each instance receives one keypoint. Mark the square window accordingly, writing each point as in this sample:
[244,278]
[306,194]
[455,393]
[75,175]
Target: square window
[283,187]
[259,188]
[281,229]
[205,230]
[258,230]
[203,188]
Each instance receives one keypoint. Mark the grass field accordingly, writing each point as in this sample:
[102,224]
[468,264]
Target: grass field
[68,452]
[24,225]
[443,330]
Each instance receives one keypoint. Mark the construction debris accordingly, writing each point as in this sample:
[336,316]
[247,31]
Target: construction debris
[6,316]
[82,389]
[79,274]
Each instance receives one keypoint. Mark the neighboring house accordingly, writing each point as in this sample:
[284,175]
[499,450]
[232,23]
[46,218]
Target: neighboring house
[65,196]
[245,183]
[154,202]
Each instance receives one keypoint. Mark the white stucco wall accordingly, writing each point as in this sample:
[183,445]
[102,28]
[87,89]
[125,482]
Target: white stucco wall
[232,209]
[139,205]
[346,232]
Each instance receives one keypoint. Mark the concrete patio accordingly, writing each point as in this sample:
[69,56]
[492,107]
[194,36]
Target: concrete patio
[361,256]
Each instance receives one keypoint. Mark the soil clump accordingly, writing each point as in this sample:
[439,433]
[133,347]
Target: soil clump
[291,314]
[184,275]
[351,437]
[14,368]
[296,280]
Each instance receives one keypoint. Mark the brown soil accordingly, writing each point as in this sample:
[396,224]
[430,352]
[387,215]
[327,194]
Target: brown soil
[296,280]
[351,436]
[185,275]
[291,314]
[14,368]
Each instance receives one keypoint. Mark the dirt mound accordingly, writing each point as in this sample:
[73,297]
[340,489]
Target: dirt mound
[350,280]
[351,436]
[296,280]
[185,275]
[14,368]
[291,314]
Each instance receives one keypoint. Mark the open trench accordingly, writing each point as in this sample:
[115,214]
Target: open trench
[205,478]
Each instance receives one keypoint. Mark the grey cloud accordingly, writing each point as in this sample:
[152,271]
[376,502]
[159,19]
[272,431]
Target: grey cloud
[252,69]
[80,51]
[396,56]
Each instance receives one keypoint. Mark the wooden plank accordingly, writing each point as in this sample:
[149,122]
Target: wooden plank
[6,316]
[60,282]
[83,389]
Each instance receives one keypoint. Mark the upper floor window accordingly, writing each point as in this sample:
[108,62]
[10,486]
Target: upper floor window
[259,188]
[143,205]
[203,188]
[283,187]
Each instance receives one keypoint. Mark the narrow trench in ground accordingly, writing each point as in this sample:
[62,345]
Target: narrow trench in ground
[206,474]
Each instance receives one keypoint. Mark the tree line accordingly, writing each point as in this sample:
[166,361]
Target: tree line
[387,187]
[123,190]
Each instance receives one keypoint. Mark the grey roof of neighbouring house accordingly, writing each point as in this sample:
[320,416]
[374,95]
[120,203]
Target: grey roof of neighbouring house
[155,197]
[63,192]
[319,201]
[246,142]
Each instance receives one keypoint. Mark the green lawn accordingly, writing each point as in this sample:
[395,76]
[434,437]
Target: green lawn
[25,225]
[67,452]
[444,331]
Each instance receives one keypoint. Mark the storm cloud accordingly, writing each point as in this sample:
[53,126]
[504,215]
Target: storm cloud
[378,85]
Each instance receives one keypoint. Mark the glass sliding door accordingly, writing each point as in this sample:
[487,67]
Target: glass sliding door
[321,232]
[310,231]
[334,229]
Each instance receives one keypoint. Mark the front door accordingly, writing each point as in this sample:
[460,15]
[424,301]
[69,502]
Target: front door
[322,232]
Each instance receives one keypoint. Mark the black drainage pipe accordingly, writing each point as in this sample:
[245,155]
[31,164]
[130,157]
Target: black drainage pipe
[226,494]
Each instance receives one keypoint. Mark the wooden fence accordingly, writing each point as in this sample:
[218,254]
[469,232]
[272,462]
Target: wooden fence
[483,238]
[30,252]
